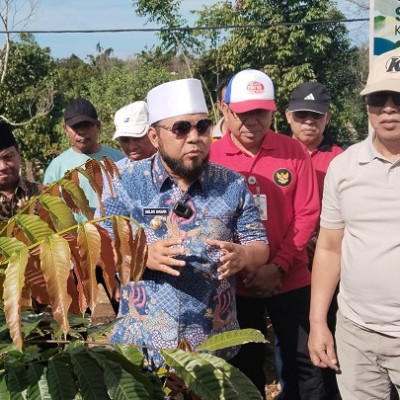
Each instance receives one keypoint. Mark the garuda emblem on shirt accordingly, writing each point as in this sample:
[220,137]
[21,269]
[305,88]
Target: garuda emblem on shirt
[282,177]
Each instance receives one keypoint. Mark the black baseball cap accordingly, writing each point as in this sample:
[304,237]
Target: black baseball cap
[80,110]
[7,138]
[309,96]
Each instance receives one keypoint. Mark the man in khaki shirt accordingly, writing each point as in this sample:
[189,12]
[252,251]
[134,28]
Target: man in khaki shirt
[359,244]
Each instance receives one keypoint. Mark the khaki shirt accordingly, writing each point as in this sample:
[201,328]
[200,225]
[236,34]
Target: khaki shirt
[23,192]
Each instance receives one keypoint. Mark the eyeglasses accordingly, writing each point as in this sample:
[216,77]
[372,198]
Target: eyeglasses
[379,99]
[183,128]
[307,114]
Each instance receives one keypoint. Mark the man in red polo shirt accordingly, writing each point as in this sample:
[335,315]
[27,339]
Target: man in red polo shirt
[281,177]
[308,115]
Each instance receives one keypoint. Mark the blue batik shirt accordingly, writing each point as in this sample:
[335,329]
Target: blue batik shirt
[161,309]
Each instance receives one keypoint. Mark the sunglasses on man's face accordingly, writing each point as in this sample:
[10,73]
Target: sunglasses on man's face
[307,115]
[182,128]
[379,99]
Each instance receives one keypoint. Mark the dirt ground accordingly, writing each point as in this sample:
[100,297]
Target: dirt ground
[104,313]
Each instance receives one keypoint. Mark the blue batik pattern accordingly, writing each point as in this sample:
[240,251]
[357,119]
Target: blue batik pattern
[161,309]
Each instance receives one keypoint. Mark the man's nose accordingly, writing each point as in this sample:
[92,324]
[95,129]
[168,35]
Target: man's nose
[3,164]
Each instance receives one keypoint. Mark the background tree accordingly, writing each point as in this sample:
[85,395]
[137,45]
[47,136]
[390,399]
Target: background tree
[291,41]
[27,96]
[292,49]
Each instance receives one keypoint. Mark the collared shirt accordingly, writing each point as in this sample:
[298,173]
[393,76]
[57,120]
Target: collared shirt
[23,192]
[322,156]
[283,173]
[161,309]
[361,196]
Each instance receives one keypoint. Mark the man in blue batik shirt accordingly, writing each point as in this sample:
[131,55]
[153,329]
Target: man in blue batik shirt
[201,225]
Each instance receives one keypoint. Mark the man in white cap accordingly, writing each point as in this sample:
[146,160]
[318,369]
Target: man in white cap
[280,175]
[359,246]
[131,127]
[201,226]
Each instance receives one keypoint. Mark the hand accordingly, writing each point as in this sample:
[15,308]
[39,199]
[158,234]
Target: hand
[266,281]
[233,259]
[161,256]
[322,347]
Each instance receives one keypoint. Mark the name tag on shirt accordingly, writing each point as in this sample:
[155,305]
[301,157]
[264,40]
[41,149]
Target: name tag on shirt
[261,203]
[155,211]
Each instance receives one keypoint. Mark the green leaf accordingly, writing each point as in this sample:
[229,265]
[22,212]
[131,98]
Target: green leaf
[4,393]
[75,197]
[210,377]
[38,388]
[135,369]
[60,379]
[88,372]
[34,228]
[97,332]
[10,245]
[241,383]
[232,338]
[31,321]
[131,353]
[17,382]
[60,213]
[120,384]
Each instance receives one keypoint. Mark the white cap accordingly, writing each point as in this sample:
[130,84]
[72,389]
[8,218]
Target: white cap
[184,96]
[249,90]
[132,120]
[384,73]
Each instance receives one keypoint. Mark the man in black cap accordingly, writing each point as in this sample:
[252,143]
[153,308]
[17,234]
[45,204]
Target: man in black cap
[82,127]
[308,115]
[14,188]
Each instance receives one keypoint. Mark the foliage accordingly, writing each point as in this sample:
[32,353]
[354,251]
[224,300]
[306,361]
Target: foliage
[27,94]
[167,15]
[49,258]
[85,367]
[291,50]
[42,241]
[120,86]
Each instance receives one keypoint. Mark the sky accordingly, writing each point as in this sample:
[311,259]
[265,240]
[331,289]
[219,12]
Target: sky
[108,14]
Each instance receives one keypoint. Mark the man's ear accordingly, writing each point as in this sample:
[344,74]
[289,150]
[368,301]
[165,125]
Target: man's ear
[288,116]
[328,116]
[153,136]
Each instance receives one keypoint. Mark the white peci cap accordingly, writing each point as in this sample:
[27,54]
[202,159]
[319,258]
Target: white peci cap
[132,120]
[184,96]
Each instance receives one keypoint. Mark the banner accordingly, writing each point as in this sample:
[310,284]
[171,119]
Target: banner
[386,25]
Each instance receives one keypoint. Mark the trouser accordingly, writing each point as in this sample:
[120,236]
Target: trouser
[369,362]
[251,356]
[289,314]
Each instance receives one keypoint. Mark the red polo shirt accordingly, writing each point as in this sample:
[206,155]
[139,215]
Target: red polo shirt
[284,173]
[321,158]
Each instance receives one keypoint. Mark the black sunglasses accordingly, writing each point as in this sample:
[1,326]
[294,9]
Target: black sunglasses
[379,99]
[183,128]
[307,114]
